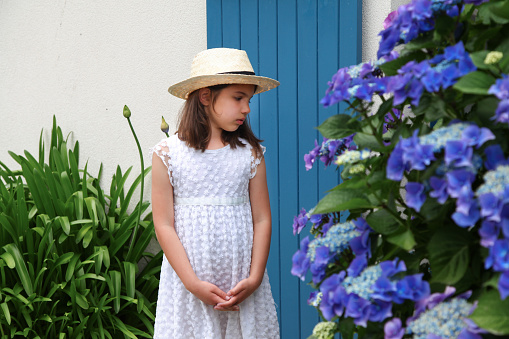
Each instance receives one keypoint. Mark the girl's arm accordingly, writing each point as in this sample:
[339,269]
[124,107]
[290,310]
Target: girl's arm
[262,226]
[163,214]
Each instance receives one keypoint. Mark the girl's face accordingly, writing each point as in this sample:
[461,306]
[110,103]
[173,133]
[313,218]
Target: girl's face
[230,108]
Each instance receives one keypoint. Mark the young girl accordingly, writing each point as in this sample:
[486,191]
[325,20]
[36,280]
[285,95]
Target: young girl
[211,208]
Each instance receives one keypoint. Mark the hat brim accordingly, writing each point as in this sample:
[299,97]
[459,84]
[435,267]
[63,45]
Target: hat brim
[184,88]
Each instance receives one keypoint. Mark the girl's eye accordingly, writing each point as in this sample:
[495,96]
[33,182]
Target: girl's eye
[238,98]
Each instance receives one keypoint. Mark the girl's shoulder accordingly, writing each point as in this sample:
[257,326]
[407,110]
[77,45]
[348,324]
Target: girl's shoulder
[166,145]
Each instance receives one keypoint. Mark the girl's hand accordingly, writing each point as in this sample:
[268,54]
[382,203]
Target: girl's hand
[238,294]
[209,293]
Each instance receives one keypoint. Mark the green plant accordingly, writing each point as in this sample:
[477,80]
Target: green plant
[67,266]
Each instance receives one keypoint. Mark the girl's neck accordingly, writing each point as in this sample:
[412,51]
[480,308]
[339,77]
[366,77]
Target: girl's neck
[216,141]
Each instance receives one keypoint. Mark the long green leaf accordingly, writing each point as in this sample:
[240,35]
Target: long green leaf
[44,193]
[114,282]
[130,278]
[5,310]
[21,267]
[117,187]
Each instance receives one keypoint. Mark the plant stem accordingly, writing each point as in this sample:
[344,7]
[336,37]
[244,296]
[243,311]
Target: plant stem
[138,219]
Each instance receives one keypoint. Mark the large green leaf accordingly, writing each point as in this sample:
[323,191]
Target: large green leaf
[475,83]
[492,313]
[339,126]
[342,200]
[383,222]
[403,238]
[449,254]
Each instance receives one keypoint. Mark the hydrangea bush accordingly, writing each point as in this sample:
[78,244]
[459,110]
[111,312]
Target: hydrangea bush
[423,154]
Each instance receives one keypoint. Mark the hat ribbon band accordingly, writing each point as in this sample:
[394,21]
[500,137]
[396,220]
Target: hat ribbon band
[239,72]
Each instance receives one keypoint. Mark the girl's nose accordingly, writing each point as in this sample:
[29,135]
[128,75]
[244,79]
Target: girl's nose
[246,109]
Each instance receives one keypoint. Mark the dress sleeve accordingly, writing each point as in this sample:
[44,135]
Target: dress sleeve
[162,150]
[255,160]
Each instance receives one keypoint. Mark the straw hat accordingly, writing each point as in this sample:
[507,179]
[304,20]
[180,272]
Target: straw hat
[218,66]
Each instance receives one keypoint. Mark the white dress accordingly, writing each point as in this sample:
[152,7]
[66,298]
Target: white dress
[214,223]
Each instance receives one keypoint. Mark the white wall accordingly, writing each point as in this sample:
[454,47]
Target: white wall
[83,60]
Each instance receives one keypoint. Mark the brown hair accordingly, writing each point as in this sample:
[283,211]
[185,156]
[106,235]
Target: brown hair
[194,125]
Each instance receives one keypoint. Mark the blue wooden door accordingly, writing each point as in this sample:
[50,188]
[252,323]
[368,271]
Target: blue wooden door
[301,43]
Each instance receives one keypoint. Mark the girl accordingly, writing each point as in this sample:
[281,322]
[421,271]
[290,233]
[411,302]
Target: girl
[211,208]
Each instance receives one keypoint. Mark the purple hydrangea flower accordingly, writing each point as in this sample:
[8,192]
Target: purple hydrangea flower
[458,153]
[415,196]
[300,221]
[393,329]
[318,265]
[498,257]
[501,90]
[310,158]
[432,318]
[442,71]
[300,260]
[494,157]
[503,285]
[439,187]
[395,165]
[475,136]
[328,150]
[367,293]
[489,233]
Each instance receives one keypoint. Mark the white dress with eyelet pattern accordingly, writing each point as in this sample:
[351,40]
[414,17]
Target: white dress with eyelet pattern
[214,223]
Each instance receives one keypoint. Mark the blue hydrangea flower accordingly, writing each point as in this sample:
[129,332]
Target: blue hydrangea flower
[315,255]
[310,158]
[336,240]
[501,90]
[301,261]
[503,285]
[393,329]
[499,256]
[415,196]
[489,232]
[418,152]
[439,187]
[367,293]
[439,316]
[357,82]
[300,221]
[328,150]
[494,157]
[315,298]
[410,20]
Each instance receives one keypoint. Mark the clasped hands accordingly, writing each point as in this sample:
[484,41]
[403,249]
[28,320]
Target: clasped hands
[210,294]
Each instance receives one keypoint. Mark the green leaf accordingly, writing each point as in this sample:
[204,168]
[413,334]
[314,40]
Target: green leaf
[368,141]
[339,126]
[5,310]
[114,282]
[475,83]
[130,278]
[492,313]
[21,268]
[9,259]
[341,200]
[382,221]
[404,239]
[449,254]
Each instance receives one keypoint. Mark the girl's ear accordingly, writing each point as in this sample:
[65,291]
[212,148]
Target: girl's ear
[204,95]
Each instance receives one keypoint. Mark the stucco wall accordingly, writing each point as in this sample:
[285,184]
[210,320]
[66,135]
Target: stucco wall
[84,60]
